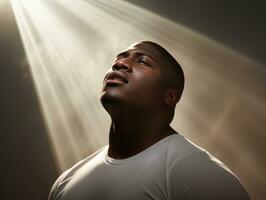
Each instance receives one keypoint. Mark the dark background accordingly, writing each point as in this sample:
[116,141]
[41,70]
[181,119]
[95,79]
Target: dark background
[27,166]
[240,25]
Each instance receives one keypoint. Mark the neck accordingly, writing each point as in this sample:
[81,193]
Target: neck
[131,136]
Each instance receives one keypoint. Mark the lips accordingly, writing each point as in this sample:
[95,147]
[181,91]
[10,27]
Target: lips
[116,77]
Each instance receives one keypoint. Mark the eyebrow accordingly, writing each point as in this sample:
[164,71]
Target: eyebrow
[123,53]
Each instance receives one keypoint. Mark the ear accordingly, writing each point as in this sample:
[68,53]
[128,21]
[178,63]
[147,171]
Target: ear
[170,97]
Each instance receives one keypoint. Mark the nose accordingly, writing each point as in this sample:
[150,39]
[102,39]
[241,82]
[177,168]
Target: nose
[122,64]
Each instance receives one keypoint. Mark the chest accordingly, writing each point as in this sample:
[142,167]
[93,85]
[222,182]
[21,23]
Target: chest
[141,180]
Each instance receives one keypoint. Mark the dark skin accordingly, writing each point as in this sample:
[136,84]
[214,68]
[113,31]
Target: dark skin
[139,102]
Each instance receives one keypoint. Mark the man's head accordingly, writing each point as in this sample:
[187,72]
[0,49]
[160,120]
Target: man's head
[143,77]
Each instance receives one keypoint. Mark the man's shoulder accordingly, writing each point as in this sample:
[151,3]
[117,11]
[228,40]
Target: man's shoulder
[66,176]
[201,172]
[81,163]
[179,148]
[183,151]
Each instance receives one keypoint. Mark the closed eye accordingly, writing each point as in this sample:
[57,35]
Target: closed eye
[142,61]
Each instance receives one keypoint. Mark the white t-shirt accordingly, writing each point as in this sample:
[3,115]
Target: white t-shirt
[171,169]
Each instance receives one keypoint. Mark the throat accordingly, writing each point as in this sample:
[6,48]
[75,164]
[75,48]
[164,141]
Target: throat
[124,143]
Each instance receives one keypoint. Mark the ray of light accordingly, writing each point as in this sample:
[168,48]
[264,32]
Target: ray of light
[71,43]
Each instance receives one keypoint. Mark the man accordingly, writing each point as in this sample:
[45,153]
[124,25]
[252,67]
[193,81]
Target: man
[146,159]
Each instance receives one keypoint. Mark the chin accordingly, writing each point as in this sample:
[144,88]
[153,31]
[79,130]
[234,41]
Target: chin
[113,105]
[109,99]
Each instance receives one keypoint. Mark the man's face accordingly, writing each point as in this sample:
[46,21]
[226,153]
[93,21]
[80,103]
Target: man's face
[135,78]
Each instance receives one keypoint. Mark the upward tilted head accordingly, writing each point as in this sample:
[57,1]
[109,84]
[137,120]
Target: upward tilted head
[144,77]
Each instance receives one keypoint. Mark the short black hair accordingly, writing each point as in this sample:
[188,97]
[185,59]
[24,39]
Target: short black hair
[174,76]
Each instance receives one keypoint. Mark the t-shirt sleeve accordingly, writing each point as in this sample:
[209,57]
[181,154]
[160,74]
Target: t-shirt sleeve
[199,177]
[55,190]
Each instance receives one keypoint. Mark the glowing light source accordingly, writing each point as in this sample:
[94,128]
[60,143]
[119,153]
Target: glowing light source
[71,43]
